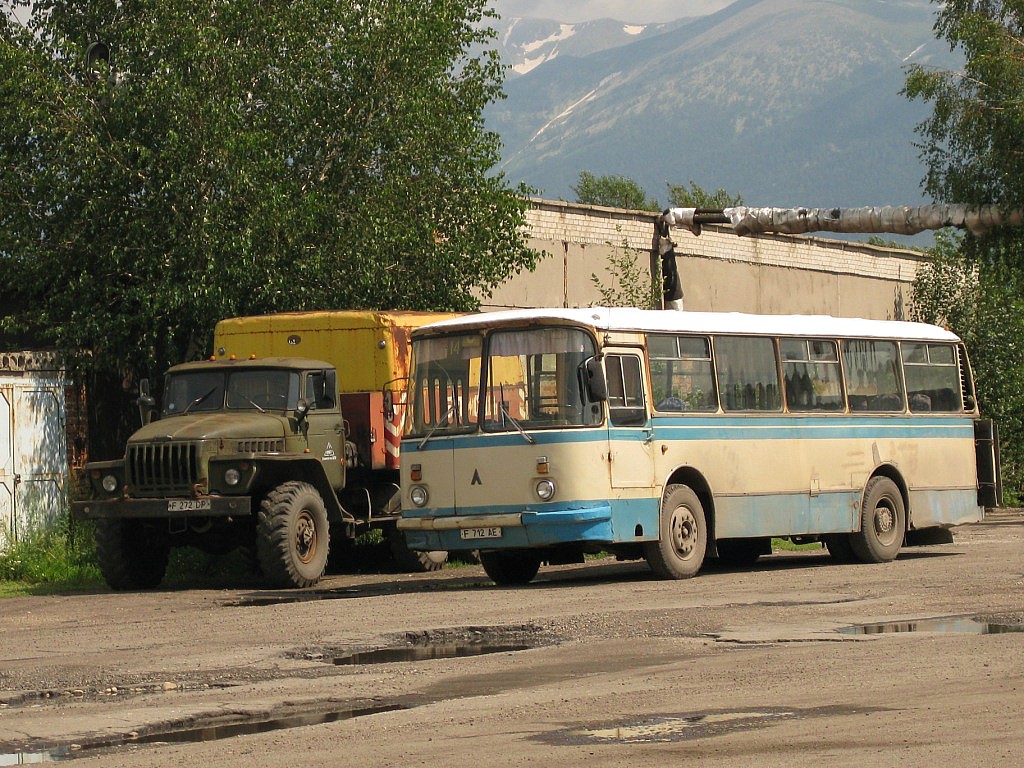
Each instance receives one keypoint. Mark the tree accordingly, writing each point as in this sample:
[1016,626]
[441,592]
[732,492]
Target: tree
[695,196]
[612,191]
[976,304]
[234,157]
[971,147]
[632,284]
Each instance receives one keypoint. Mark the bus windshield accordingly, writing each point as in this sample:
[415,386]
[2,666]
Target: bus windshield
[532,380]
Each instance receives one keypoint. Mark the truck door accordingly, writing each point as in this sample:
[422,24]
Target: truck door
[630,430]
[325,434]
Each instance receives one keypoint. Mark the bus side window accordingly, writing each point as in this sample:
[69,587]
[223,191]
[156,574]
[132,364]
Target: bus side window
[810,369]
[625,391]
[748,376]
[933,380]
[872,370]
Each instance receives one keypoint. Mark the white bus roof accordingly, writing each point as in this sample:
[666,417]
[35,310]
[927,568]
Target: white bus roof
[674,321]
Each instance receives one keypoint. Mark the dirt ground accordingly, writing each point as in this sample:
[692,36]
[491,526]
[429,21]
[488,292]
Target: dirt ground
[736,667]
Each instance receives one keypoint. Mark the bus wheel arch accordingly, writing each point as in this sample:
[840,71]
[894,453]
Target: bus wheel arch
[694,480]
[884,518]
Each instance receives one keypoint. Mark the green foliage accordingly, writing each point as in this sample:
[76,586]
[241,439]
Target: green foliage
[978,296]
[971,143]
[631,283]
[695,196]
[239,158]
[56,559]
[612,191]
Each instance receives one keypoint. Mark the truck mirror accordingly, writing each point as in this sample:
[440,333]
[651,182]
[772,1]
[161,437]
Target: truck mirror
[301,410]
[146,402]
[594,381]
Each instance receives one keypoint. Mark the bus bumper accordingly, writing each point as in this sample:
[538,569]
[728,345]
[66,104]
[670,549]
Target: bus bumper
[511,530]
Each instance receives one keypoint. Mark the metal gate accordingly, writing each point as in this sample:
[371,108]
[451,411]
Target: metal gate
[33,451]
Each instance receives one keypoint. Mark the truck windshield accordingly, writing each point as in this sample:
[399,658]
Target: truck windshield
[261,389]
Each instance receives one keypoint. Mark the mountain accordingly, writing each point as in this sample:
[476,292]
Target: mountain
[785,102]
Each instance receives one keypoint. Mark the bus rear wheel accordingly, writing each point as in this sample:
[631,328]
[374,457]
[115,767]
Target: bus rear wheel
[511,566]
[683,538]
[883,521]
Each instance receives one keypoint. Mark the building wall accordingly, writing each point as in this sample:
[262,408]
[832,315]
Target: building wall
[772,274]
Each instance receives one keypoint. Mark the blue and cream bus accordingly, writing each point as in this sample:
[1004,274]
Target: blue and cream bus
[536,436]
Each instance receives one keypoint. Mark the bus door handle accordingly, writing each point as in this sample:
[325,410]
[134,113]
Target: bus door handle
[648,434]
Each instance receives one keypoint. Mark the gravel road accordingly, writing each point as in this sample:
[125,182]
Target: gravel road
[794,662]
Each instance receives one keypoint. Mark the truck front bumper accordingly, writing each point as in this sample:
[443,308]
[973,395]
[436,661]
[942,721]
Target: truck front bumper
[203,506]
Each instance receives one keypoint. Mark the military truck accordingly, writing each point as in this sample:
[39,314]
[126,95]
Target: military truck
[280,444]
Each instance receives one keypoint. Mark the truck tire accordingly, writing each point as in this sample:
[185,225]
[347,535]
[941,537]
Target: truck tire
[292,535]
[409,559]
[132,554]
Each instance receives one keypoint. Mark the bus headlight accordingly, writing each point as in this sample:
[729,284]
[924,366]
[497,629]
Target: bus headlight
[418,495]
[109,483]
[545,489]
[232,476]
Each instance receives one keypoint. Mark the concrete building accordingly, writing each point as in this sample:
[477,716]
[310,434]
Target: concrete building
[771,274]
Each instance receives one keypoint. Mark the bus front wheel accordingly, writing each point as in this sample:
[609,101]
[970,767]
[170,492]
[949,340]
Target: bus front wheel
[883,521]
[511,566]
[683,538]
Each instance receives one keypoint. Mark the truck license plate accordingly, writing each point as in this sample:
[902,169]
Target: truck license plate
[187,505]
[481,533]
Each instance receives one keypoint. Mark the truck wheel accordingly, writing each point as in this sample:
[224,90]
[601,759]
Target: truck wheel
[883,521]
[292,535]
[409,559]
[132,554]
[683,539]
[511,566]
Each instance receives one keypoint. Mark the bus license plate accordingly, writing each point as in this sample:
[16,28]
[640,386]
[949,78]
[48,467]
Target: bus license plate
[187,505]
[481,533]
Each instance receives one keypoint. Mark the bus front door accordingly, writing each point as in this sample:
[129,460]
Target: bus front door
[630,430]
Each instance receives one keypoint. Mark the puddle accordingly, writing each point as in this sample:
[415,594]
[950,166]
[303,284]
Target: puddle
[191,735]
[425,653]
[966,624]
[257,601]
[696,725]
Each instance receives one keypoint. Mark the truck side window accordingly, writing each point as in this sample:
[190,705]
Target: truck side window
[320,388]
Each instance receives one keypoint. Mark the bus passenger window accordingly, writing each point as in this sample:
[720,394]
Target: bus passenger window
[748,377]
[810,368]
[872,375]
[681,376]
[625,391]
[933,379]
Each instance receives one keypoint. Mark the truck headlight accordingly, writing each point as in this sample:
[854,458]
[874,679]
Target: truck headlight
[232,476]
[545,490]
[109,483]
[418,495]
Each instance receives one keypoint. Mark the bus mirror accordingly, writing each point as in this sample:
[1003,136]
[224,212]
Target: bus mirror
[594,381]
[389,405]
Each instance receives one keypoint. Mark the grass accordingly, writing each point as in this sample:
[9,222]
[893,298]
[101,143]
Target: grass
[785,545]
[60,559]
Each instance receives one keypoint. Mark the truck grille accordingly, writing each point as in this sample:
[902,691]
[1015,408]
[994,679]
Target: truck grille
[156,469]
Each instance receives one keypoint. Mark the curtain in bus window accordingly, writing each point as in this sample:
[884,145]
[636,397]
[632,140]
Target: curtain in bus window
[872,375]
[810,370]
[748,377]
[932,376]
[681,377]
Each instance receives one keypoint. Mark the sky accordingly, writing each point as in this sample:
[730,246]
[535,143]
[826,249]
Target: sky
[637,11]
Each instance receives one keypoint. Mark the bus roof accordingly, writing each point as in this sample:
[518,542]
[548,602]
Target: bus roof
[673,321]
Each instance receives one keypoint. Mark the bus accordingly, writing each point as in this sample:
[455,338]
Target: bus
[538,436]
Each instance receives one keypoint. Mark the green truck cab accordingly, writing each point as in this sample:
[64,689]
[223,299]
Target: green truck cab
[246,453]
